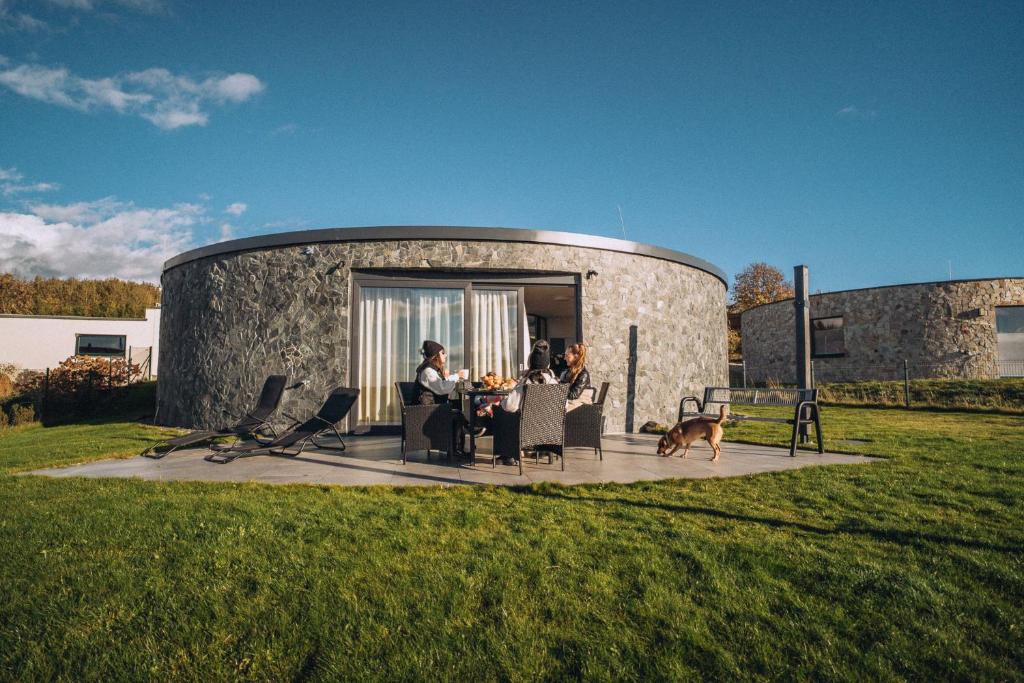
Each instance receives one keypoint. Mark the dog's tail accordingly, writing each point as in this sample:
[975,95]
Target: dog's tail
[723,412]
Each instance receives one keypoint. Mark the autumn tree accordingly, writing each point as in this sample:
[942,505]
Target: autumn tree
[109,298]
[758,283]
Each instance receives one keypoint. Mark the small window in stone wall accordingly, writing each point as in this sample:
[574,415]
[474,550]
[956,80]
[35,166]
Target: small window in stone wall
[1010,339]
[827,338]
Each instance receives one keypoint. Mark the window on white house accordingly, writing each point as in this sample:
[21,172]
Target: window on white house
[100,345]
[827,337]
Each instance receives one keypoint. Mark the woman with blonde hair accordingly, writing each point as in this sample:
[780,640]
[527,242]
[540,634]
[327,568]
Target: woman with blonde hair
[578,376]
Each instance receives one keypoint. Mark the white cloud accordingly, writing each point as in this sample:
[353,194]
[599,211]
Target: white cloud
[236,209]
[234,88]
[162,98]
[852,112]
[96,239]
[19,21]
[9,178]
[10,188]
[81,212]
[148,6]
[227,231]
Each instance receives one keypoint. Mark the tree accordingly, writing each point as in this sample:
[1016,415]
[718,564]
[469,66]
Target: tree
[109,298]
[758,283]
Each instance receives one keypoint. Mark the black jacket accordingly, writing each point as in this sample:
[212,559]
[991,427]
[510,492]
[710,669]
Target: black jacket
[581,383]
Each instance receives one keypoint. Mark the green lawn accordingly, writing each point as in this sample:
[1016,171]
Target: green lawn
[908,568]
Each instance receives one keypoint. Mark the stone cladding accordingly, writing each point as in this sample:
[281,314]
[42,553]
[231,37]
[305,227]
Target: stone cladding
[227,321]
[942,329]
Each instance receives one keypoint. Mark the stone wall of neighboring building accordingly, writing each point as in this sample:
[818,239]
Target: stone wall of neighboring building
[942,329]
[231,319]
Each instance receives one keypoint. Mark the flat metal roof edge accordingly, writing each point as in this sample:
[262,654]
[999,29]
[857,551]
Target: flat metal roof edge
[903,284]
[436,232]
[72,317]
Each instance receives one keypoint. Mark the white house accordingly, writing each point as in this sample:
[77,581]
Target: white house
[36,342]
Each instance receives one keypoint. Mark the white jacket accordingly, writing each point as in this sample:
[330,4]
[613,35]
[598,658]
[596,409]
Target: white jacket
[514,400]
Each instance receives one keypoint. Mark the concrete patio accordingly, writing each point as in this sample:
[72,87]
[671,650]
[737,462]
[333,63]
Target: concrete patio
[373,460]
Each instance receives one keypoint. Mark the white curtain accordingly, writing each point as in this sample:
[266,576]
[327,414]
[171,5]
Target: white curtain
[393,322]
[495,332]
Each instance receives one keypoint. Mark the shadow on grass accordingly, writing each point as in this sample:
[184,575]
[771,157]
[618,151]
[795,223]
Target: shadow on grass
[908,538]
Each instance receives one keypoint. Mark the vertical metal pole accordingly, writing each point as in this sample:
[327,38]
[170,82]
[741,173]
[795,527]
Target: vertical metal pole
[744,374]
[802,311]
[906,383]
[631,380]
[46,395]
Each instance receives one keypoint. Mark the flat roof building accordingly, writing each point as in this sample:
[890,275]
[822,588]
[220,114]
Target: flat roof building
[955,329]
[351,306]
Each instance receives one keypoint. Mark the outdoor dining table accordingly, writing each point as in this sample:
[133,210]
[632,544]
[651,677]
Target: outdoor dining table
[471,394]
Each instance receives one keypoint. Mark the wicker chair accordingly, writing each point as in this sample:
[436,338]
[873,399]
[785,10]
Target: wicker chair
[538,425]
[584,425]
[424,427]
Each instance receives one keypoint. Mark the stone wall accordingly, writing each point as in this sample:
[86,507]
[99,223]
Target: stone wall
[943,329]
[229,320]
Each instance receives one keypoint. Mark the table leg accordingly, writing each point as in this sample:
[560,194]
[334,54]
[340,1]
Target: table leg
[472,434]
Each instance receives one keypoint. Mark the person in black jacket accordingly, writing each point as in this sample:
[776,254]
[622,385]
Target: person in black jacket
[577,376]
[434,384]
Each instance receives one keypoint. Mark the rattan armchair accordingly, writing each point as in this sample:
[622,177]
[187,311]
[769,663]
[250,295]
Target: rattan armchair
[585,424]
[538,425]
[424,427]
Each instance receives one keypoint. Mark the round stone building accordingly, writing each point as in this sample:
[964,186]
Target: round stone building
[351,306]
[953,329]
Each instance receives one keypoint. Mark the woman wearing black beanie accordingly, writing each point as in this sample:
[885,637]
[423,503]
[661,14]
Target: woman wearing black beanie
[434,385]
[539,372]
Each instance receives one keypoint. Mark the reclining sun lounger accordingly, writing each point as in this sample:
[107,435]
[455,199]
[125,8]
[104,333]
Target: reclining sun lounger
[251,424]
[334,409]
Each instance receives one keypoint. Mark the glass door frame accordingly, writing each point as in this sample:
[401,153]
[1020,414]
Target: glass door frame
[520,320]
[464,280]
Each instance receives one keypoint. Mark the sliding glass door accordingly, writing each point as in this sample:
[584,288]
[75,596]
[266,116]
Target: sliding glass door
[496,332]
[482,324]
[393,322]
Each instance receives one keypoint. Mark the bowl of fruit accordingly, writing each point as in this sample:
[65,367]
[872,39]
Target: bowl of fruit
[492,381]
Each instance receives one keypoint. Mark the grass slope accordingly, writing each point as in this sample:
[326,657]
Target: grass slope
[907,568]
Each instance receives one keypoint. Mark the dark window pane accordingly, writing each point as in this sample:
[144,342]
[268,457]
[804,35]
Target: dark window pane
[1009,319]
[100,345]
[827,337]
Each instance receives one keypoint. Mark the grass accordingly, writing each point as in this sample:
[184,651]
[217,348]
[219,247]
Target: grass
[1001,395]
[908,568]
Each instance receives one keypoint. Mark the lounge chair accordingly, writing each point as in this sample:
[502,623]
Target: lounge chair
[300,434]
[251,424]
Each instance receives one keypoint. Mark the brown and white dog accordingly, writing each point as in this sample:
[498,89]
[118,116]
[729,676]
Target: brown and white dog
[685,433]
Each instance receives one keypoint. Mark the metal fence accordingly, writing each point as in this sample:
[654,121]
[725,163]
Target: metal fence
[58,393]
[1010,368]
[888,383]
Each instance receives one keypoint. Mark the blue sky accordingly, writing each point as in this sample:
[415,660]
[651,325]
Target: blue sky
[875,142]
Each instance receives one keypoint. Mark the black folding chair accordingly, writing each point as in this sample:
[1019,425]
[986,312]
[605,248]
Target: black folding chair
[300,434]
[252,424]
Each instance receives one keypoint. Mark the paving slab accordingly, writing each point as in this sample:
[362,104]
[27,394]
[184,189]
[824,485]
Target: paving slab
[377,460]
